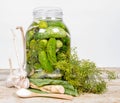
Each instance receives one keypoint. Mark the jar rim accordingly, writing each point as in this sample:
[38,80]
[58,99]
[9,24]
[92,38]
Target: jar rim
[55,12]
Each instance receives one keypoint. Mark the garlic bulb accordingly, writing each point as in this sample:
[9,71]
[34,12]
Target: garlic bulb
[18,78]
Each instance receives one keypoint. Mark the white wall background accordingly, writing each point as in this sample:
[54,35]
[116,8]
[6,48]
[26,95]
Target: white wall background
[94,27]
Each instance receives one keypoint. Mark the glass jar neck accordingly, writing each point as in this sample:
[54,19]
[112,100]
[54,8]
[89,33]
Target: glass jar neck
[48,19]
[47,13]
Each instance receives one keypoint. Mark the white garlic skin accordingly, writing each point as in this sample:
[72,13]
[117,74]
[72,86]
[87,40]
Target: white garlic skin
[9,82]
[22,83]
[18,80]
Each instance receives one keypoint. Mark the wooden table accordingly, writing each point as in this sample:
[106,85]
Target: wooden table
[112,95]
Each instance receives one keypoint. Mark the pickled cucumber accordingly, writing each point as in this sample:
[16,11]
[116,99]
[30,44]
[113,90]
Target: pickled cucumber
[51,50]
[44,61]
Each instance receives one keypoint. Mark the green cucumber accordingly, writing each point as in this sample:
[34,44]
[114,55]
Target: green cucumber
[44,61]
[51,50]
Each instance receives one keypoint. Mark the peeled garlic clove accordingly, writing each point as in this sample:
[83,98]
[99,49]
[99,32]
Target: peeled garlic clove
[60,89]
[54,90]
[57,89]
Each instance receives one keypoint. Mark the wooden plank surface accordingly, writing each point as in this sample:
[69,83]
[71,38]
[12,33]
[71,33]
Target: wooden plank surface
[112,94]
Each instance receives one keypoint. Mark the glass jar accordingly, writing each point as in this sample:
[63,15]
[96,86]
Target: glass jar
[47,43]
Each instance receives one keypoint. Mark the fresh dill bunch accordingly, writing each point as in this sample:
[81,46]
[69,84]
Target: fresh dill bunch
[82,74]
